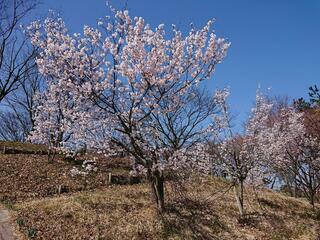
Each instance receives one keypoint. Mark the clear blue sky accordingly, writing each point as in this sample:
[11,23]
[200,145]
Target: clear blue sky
[275,43]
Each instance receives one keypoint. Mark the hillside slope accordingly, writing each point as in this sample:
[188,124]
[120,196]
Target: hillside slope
[91,209]
[125,212]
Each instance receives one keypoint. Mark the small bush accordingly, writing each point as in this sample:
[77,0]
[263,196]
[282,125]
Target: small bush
[20,222]
[31,232]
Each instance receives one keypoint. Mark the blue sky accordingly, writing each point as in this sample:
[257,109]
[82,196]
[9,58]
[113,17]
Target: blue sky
[275,43]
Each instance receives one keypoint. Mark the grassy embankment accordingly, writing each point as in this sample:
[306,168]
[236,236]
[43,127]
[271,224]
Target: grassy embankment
[92,209]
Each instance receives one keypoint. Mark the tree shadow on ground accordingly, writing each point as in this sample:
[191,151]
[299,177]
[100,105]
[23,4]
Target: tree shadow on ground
[271,204]
[191,219]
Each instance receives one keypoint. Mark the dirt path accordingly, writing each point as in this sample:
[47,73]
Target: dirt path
[6,232]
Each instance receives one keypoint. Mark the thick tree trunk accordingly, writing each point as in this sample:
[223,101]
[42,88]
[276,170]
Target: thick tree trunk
[156,181]
[238,190]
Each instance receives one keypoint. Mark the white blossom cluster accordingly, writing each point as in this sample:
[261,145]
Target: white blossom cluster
[87,167]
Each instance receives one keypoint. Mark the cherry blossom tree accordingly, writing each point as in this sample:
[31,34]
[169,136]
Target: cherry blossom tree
[53,116]
[131,86]
[289,147]
[239,156]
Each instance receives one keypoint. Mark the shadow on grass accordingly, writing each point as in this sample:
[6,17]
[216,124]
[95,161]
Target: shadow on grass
[191,219]
[279,226]
[270,204]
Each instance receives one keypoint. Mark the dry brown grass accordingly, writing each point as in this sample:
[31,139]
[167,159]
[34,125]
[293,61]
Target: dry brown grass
[126,212]
[92,210]
[26,177]
[21,147]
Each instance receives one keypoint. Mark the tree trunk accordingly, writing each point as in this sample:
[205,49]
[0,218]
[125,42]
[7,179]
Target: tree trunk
[238,190]
[295,188]
[273,182]
[311,200]
[51,155]
[290,186]
[156,181]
